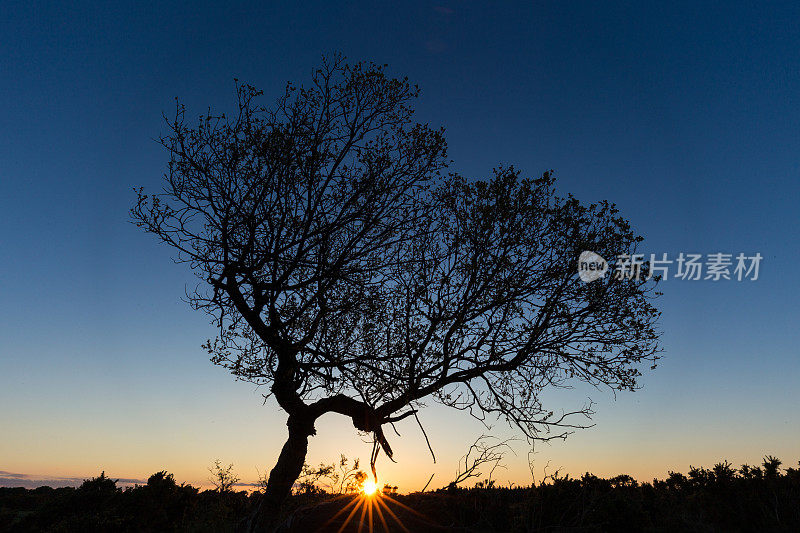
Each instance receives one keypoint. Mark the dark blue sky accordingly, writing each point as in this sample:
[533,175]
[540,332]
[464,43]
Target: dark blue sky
[686,115]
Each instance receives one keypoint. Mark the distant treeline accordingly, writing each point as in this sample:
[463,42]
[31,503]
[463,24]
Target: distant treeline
[723,498]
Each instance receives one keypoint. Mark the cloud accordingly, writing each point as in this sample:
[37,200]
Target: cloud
[10,479]
[3,473]
[244,484]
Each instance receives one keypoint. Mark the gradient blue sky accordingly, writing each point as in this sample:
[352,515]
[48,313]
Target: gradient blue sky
[687,115]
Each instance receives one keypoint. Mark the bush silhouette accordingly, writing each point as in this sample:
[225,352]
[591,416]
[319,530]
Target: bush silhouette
[722,498]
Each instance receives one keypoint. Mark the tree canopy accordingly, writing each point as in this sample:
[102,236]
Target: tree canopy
[348,272]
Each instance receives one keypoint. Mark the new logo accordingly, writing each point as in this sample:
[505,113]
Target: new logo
[591,266]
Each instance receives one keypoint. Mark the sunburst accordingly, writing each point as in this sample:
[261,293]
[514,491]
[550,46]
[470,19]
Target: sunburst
[368,503]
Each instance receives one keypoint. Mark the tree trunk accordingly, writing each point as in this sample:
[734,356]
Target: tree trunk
[282,477]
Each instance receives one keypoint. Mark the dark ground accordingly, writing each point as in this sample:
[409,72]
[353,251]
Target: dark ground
[765,498]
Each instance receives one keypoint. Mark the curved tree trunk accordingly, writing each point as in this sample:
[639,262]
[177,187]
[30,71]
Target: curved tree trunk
[282,477]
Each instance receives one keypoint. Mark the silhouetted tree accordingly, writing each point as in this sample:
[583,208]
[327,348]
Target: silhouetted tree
[348,275]
[310,479]
[486,451]
[162,481]
[339,478]
[222,477]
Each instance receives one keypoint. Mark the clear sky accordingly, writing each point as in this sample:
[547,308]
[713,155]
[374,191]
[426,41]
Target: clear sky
[687,115]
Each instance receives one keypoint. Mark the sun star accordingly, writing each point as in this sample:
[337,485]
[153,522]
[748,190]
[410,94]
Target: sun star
[369,488]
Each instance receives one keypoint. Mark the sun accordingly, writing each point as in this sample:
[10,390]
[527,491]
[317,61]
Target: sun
[369,488]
